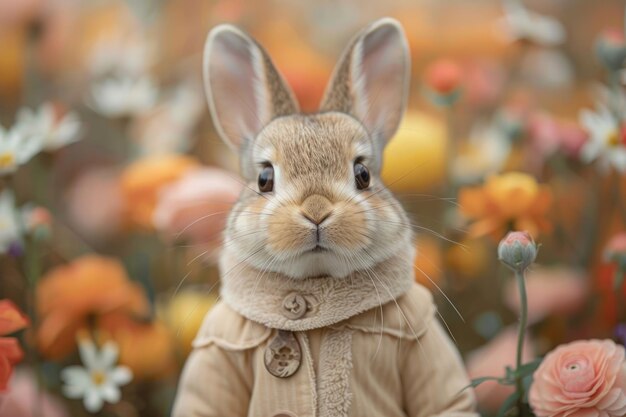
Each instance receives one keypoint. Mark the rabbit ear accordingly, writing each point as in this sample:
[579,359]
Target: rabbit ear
[371,80]
[243,88]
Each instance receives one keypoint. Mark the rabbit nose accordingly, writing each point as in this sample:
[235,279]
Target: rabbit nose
[316,209]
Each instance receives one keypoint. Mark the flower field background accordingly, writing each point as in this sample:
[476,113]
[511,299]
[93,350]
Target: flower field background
[114,190]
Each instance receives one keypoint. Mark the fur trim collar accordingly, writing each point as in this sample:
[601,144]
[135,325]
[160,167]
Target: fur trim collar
[263,297]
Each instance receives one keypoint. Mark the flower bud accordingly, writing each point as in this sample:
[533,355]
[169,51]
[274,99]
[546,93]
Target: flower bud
[611,49]
[517,250]
[443,79]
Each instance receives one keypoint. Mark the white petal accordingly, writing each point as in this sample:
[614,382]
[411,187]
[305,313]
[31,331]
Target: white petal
[93,401]
[88,353]
[74,391]
[121,375]
[110,392]
[590,151]
[75,375]
[108,355]
[618,159]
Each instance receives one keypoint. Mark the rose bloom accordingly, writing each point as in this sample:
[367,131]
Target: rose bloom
[142,181]
[68,296]
[555,290]
[491,360]
[196,206]
[511,199]
[582,378]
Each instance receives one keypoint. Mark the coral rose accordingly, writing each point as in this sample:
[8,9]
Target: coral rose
[582,378]
[143,180]
[88,288]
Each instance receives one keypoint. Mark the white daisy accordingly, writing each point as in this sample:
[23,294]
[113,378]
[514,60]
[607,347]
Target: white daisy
[16,149]
[124,96]
[605,143]
[9,227]
[55,128]
[521,23]
[99,380]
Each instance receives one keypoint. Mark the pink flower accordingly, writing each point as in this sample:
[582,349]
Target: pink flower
[491,360]
[582,378]
[549,135]
[24,399]
[196,206]
[95,205]
[556,290]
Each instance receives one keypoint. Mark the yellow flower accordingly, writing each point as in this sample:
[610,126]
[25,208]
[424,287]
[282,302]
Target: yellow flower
[184,315]
[511,201]
[415,158]
[142,181]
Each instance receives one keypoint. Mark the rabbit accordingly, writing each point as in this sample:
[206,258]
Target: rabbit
[319,314]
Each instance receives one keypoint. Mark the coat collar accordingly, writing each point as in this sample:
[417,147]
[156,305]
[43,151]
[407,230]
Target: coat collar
[280,302]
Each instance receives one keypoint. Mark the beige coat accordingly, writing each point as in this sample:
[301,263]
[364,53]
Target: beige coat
[389,361]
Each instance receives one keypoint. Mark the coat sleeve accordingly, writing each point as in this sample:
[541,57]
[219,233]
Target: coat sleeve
[217,379]
[433,377]
[215,382]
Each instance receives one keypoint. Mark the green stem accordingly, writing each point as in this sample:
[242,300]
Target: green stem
[519,383]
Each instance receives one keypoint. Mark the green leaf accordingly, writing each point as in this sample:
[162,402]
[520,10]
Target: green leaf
[508,404]
[528,368]
[477,381]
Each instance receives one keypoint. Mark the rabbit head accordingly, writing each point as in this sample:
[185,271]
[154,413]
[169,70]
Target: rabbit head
[314,204]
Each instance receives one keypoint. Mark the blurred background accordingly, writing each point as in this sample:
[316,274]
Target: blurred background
[115,186]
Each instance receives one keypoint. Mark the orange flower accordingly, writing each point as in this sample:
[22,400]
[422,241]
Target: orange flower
[511,201]
[428,262]
[147,348]
[11,320]
[142,181]
[88,288]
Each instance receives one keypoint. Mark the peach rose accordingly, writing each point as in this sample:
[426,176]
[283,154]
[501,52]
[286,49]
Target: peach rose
[582,378]
[196,206]
[142,181]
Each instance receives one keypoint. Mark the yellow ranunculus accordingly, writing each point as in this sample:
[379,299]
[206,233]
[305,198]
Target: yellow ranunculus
[184,314]
[415,158]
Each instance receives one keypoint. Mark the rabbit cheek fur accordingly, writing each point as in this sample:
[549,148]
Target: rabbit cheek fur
[313,159]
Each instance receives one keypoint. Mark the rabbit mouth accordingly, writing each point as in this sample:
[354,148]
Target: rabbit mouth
[319,249]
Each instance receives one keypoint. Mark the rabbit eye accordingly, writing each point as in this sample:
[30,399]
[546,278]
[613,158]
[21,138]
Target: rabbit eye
[266,179]
[362,176]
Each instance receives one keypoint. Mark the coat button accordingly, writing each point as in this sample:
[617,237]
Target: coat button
[284,414]
[294,306]
[283,355]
